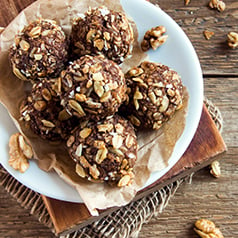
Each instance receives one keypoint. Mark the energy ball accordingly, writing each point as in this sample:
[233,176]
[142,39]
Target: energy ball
[105,151]
[44,114]
[155,92]
[93,87]
[102,31]
[40,50]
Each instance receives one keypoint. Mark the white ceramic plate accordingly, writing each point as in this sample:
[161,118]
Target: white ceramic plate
[178,53]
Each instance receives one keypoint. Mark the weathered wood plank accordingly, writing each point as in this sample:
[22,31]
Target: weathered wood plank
[215,56]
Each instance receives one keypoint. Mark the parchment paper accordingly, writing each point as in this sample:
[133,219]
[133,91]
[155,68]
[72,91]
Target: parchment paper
[156,147]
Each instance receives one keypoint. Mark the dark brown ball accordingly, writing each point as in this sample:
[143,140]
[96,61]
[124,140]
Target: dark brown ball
[155,92]
[40,50]
[44,114]
[105,151]
[93,87]
[102,31]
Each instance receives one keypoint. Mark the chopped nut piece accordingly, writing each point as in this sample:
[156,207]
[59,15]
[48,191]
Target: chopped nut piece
[35,32]
[215,169]
[46,94]
[93,170]
[48,123]
[101,155]
[98,88]
[19,152]
[154,38]
[186,2]
[38,56]
[63,115]
[124,181]
[78,151]
[207,229]
[80,171]
[117,141]
[217,4]
[40,105]
[24,45]
[77,107]
[85,132]
[105,127]
[80,97]
[99,43]
[232,39]
[70,141]
[18,73]
[208,34]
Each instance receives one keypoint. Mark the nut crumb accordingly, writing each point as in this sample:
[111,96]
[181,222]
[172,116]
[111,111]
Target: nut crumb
[207,229]
[208,34]
[215,169]
[20,151]
[217,4]
[186,2]
[232,39]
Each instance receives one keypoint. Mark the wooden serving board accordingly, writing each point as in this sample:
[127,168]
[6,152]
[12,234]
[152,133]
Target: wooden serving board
[206,146]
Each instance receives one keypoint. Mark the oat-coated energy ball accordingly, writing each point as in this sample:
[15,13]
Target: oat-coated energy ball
[93,87]
[102,31]
[44,114]
[105,151]
[40,50]
[155,93]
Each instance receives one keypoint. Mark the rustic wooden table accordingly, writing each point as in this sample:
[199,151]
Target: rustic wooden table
[207,196]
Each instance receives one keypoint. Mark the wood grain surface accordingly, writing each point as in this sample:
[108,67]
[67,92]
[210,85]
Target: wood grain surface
[206,197]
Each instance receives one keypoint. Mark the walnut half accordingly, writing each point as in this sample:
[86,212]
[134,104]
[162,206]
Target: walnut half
[20,151]
[232,39]
[154,38]
[207,229]
[217,4]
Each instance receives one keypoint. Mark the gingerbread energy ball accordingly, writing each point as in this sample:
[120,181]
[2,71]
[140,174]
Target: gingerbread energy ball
[40,50]
[44,114]
[105,151]
[155,93]
[102,31]
[93,87]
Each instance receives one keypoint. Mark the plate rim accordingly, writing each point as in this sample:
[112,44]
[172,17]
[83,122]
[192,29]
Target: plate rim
[199,112]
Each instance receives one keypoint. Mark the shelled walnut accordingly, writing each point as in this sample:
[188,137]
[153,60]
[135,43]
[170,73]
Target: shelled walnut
[215,169]
[207,229]
[232,39]
[154,38]
[20,151]
[217,4]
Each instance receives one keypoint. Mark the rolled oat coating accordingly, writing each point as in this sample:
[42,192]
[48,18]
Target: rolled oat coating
[93,87]
[105,151]
[44,114]
[40,50]
[102,31]
[155,92]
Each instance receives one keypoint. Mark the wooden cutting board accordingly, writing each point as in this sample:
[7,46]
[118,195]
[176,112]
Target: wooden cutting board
[206,146]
